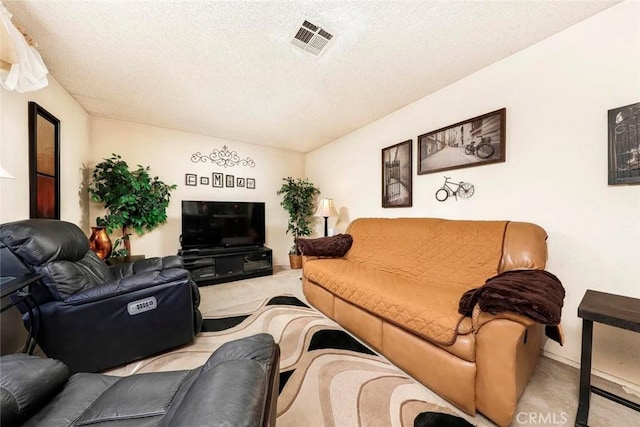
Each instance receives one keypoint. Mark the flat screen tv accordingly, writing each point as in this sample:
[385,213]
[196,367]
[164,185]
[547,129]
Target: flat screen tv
[222,224]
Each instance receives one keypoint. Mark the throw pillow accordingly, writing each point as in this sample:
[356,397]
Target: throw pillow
[333,246]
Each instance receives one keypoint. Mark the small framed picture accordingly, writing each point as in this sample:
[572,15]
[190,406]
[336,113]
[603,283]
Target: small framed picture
[204,180]
[251,183]
[624,145]
[240,182]
[217,180]
[191,179]
[397,175]
[229,181]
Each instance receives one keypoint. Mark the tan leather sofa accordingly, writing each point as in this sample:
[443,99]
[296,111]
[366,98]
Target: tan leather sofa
[398,289]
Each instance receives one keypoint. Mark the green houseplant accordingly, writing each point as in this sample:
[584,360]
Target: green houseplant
[133,200]
[298,200]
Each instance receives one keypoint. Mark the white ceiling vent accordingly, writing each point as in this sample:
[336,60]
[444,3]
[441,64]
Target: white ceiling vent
[312,38]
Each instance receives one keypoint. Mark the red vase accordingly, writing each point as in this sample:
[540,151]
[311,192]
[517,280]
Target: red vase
[99,242]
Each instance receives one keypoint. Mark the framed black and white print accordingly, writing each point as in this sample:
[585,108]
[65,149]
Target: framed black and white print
[191,179]
[396,175]
[217,180]
[624,145]
[230,181]
[204,180]
[240,182]
[251,183]
[473,142]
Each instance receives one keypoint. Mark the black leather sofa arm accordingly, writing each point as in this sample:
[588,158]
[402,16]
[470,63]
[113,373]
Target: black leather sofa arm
[120,271]
[175,276]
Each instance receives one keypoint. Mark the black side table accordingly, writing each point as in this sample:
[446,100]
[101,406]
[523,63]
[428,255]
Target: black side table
[609,309]
[19,290]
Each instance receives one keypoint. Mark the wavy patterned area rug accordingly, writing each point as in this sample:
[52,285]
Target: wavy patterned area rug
[327,378]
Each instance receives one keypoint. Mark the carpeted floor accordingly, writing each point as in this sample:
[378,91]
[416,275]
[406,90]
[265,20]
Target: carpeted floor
[327,378]
[330,379]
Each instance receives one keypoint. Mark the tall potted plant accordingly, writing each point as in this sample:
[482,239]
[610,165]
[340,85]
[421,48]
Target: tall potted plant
[133,200]
[298,199]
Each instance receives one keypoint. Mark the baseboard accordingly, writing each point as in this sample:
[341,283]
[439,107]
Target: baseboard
[627,386]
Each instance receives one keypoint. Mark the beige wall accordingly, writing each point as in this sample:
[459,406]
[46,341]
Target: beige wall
[14,151]
[557,94]
[168,153]
[14,157]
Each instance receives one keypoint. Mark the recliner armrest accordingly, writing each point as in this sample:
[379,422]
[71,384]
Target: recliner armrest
[237,387]
[259,347]
[27,384]
[130,284]
[121,271]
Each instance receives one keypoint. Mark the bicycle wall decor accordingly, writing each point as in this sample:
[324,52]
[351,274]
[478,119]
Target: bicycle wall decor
[463,189]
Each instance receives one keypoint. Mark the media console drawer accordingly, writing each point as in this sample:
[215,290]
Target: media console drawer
[212,266]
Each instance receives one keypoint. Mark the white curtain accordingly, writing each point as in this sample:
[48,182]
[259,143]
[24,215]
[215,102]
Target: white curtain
[29,73]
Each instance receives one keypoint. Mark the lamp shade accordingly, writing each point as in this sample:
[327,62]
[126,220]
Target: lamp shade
[5,174]
[326,208]
[21,66]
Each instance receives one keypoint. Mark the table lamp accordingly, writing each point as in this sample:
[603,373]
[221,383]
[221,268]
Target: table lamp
[326,208]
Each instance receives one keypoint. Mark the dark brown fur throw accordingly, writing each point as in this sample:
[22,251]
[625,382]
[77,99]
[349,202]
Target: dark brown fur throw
[536,294]
[333,246]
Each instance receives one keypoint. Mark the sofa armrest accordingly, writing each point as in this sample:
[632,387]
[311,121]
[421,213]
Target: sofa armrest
[480,318]
[130,284]
[27,384]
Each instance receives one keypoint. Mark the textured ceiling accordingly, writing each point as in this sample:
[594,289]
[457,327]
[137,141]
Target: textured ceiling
[227,68]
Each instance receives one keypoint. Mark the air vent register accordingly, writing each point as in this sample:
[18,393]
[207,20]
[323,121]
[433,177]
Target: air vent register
[312,38]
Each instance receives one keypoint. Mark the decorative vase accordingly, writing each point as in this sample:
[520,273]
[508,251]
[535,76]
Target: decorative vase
[295,261]
[99,242]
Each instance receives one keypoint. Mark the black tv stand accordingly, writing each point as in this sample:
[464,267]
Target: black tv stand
[210,266]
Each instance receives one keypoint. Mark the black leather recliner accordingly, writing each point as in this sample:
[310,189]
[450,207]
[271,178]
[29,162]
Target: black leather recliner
[237,386]
[91,316]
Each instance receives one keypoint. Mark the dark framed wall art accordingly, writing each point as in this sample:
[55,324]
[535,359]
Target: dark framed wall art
[473,142]
[44,163]
[624,145]
[396,175]
[217,180]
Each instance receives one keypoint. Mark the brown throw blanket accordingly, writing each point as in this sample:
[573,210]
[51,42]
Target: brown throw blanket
[536,294]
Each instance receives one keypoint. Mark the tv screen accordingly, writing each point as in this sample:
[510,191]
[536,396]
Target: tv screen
[222,224]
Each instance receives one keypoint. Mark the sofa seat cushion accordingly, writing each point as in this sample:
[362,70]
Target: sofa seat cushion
[428,311]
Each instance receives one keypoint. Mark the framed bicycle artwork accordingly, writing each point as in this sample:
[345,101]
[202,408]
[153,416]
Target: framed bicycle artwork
[396,175]
[624,145]
[473,142]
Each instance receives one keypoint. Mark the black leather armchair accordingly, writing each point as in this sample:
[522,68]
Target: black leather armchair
[91,316]
[237,386]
